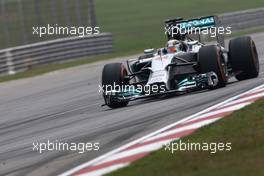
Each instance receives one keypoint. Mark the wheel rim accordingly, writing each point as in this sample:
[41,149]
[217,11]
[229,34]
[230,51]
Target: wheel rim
[221,65]
[123,74]
[255,55]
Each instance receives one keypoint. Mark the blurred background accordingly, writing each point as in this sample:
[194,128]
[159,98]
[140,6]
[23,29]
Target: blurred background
[127,27]
[19,16]
[134,24]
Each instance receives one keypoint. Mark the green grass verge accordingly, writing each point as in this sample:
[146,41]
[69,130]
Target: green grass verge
[135,24]
[139,24]
[12,19]
[243,128]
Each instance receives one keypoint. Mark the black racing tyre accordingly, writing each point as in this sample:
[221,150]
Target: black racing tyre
[210,60]
[113,74]
[243,57]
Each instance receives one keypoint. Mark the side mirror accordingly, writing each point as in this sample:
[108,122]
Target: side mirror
[164,51]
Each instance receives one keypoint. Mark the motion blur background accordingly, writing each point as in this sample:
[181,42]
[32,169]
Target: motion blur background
[134,24]
[19,16]
[127,27]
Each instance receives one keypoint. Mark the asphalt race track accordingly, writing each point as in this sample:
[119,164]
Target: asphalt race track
[66,105]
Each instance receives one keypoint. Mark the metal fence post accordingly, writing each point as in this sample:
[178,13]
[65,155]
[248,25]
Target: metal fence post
[53,6]
[10,63]
[22,21]
[91,13]
[66,14]
[78,12]
[5,24]
[37,12]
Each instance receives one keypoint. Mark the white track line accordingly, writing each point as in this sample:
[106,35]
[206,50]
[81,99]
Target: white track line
[244,99]
[138,150]
[106,170]
[220,111]
[182,129]
[258,90]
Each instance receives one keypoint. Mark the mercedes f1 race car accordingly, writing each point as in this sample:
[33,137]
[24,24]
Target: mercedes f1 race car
[183,65]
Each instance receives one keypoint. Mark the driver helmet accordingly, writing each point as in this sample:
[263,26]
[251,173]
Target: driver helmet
[174,46]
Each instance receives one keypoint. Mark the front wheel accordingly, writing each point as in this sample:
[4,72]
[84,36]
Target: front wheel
[210,60]
[113,75]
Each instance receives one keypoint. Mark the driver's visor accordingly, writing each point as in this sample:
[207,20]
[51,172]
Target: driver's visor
[172,49]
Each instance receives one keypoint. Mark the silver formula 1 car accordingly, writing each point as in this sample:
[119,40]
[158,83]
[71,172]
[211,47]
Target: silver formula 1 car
[182,66]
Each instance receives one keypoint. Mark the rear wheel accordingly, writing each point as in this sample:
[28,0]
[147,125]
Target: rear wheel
[114,74]
[210,60]
[243,57]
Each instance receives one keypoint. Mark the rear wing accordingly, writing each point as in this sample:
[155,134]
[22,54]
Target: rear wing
[174,26]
